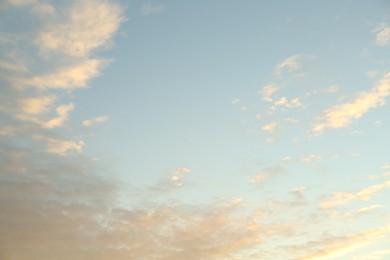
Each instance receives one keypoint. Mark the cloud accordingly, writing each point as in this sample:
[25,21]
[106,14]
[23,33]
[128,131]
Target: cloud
[36,106]
[337,199]
[235,101]
[367,193]
[19,3]
[60,146]
[340,116]
[65,208]
[310,158]
[375,255]
[370,208]
[341,198]
[87,25]
[63,114]
[96,120]
[291,64]
[332,89]
[173,181]
[149,9]
[336,246]
[267,173]
[260,177]
[68,77]
[283,101]
[268,91]
[382,35]
[32,108]
[270,127]
[12,66]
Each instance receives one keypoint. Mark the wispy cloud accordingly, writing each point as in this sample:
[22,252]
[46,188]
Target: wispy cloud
[340,116]
[268,90]
[149,9]
[95,120]
[365,194]
[291,64]
[270,127]
[382,35]
[60,146]
[369,209]
[267,173]
[336,246]
[68,77]
[310,158]
[36,106]
[63,115]
[173,181]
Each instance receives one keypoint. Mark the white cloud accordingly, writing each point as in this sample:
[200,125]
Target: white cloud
[35,106]
[173,181]
[268,91]
[336,246]
[281,101]
[340,116]
[149,9]
[63,115]
[370,208]
[338,198]
[60,146]
[291,64]
[96,120]
[75,76]
[235,101]
[310,158]
[292,121]
[260,177]
[367,193]
[382,35]
[88,25]
[332,89]
[341,198]
[270,127]
[287,159]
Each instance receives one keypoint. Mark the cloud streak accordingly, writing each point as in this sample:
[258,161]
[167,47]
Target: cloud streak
[340,245]
[341,116]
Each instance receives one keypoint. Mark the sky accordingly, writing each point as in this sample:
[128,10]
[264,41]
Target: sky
[166,129]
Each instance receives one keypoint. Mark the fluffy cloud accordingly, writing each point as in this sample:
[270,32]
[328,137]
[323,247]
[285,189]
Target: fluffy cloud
[88,25]
[270,127]
[340,116]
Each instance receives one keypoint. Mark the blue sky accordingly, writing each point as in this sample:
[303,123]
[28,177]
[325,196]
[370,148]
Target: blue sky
[194,129]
